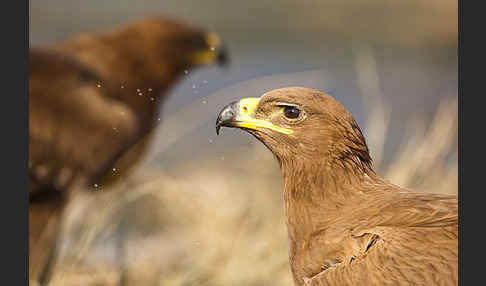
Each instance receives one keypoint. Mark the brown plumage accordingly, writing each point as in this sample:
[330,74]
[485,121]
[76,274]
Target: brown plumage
[346,225]
[93,102]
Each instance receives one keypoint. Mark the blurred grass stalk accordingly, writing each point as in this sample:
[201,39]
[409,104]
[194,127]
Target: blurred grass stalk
[221,227]
[378,114]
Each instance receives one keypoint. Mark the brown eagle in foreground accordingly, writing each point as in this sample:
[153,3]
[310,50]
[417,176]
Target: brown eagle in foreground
[93,101]
[346,225]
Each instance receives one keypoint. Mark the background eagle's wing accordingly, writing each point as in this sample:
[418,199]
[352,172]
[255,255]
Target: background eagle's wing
[76,130]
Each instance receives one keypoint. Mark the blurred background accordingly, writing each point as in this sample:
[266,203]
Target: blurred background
[207,210]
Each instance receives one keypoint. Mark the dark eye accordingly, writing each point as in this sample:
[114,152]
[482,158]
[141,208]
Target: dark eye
[291,112]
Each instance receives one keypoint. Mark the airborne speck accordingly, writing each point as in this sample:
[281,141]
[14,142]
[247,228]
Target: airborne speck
[122,86]
[98,85]
[158,119]
[138,89]
[95,185]
[186,71]
[114,169]
[152,99]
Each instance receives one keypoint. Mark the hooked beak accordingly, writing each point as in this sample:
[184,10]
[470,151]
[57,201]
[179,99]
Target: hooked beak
[240,114]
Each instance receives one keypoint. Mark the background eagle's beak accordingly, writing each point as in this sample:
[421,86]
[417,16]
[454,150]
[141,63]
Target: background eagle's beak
[214,51]
[223,59]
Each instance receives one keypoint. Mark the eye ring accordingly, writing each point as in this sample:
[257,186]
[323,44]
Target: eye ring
[292,112]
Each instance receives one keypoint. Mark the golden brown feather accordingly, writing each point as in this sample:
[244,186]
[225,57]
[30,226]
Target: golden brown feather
[346,225]
[93,101]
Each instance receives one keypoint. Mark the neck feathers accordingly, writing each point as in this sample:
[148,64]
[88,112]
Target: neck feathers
[334,176]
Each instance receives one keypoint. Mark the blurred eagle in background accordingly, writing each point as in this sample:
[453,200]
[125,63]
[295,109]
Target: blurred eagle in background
[93,101]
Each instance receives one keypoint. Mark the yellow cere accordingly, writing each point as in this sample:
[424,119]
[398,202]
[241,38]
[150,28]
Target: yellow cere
[245,120]
[213,40]
[248,106]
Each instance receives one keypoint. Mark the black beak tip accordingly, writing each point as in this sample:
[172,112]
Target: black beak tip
[226,116]
[223,58]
